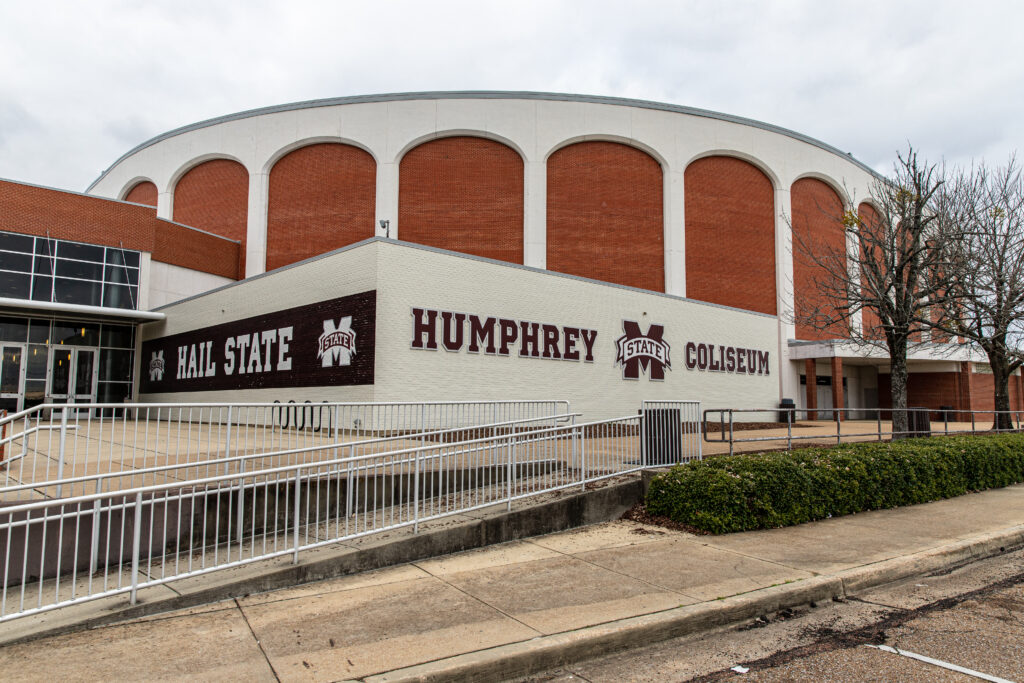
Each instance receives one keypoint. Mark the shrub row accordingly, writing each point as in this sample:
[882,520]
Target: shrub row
[765,490]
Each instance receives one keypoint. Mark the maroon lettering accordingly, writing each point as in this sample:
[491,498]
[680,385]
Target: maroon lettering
[691,355]
[572,334]
[480,332]
[452,342]
[551,342]
[509,335]
[702,356]
[424,329]
[762,362]
[741,360]
[589,337]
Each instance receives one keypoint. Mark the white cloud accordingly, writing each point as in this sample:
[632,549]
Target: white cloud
[84,82]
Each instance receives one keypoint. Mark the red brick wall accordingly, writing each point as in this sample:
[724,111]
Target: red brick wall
[63,215]
[982,387]
[605,214]
[322,197]
[730,234]
[869,319]
[214,196]
[142,193]
[463,194]
[924,390]
[817,226]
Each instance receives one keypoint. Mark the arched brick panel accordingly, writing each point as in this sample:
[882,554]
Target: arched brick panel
[605,214]
[322,197]
[870,323]
[214,196]
[142,193]
[817,225]
[464,194]
[730,234]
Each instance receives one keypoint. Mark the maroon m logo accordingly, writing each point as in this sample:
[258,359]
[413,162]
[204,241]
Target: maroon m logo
[637,351]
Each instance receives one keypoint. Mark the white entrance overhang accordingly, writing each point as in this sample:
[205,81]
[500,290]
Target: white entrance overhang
[875,355]
[25,307]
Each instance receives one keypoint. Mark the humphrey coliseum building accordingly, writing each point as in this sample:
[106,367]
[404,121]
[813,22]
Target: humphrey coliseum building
[447,246]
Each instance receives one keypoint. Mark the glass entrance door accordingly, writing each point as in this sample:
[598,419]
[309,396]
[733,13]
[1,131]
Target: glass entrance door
[12,377]
[73,372]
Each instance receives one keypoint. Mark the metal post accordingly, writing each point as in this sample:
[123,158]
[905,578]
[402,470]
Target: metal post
[63,443]
[295,519]
[94,555]
[136,542]
[510,474]
[835,414]
[583,459]
[227,445]
[972,427]
[878,421]
[730,431]
[416,495]
[789,429]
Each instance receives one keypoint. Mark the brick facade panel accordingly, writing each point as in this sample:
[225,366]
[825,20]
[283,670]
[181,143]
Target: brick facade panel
[45,212]
[142,193]
[818,228]
[322,197]
[605,214]
[214,196]
[464,194]
[730,234]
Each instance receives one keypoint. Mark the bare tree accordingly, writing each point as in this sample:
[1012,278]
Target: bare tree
[886,284]
[987,206]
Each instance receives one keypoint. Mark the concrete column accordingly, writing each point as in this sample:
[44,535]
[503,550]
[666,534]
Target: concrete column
[675,232]
[387,199]
[965,390]
[165,205]
[837,385]
[789,376]
[256,226]
[811,370]
[535,214]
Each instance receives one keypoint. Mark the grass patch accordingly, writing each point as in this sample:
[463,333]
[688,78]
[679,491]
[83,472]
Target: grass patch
[766,490]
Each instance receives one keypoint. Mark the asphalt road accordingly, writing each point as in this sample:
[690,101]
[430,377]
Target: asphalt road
[971,617]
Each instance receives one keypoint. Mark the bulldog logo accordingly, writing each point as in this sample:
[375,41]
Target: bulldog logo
[638,352]
[156,366]
[337,345]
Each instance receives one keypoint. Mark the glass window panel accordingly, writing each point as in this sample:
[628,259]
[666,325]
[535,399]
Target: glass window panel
[19,262]
[15,242]
[45,247]
[117,336]
[35,392]
[88,271]
[39,331]
[60,372]
[10,370]
[119,296]
[36,358]
[122,275]
[75,334]
[44,266]
[42,288]
[121,257]
[82,252]
[114,392]
[116,366]
[13,329]
[14,285]
[77,292]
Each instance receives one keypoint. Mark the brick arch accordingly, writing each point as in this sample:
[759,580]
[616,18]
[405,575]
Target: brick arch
[464,194]
[143,192]
[605,214]
[730,234]
[321,197]
[214,196]
[817,226]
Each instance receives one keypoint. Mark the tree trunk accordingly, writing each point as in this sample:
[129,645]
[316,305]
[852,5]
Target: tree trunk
[898,391]
[1002,420]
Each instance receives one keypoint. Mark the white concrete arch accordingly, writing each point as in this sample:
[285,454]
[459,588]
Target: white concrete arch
[130,185]
[835,186]
[754,161]
[287,149]
[649,150]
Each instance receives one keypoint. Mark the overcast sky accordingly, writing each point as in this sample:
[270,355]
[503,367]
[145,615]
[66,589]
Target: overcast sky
[83,82]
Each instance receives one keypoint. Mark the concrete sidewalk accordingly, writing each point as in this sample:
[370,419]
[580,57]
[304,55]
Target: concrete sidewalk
[508,609]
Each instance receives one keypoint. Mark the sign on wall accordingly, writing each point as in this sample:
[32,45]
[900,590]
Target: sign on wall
[322,344]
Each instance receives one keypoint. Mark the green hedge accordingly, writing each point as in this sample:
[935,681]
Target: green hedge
[765,490]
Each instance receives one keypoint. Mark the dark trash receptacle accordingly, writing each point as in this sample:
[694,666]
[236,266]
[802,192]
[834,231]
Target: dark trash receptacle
[946,413]
[919,422]
[663,436]
[787,415]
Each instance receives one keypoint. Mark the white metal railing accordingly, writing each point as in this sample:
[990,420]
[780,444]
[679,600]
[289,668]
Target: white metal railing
[849,424]
[85,547]
[56,442]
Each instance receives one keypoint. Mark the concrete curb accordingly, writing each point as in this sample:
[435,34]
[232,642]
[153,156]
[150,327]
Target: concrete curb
[546,652]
